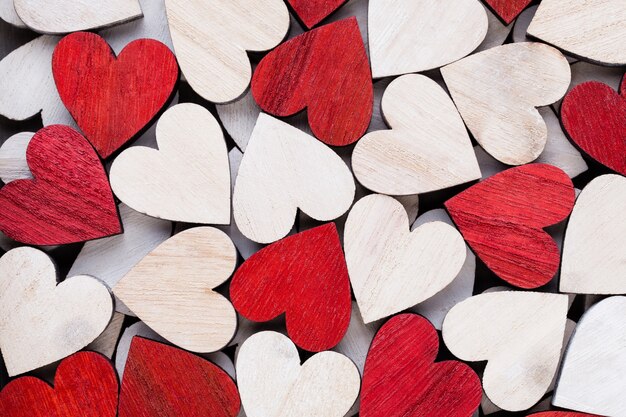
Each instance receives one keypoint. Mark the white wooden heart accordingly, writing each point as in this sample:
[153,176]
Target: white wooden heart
[42,322]
[13,164]
[496,92]
[187,179]
[9,15]
[272,383]
[171,289]
[520,334]
[284,169]
[427,149]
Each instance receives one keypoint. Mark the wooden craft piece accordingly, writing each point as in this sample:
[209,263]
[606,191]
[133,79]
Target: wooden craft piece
[171,289]
[584,71]
[402,379]
[496,92]
[85,385]
[591,378]
[427,149]
[106,342]
[511,330]
[42,322]
[273,383]
[311,12]
[502,219]
[9,15]
[187,179]
[13,165]
[304,276]
[497,32]
[593,30]
[594,260]
[507,10]
[284,170]
[324,71]
[413,36]
[162,381]
[561,414]
[58,206]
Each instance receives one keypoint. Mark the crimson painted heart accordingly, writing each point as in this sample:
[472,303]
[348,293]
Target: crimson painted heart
[113,99]
[311,12]
[594,117]
[163,381]
[502,219]
[69,200]
[326,72]
[304,276]
[507,10]
[85,385]
[401,378]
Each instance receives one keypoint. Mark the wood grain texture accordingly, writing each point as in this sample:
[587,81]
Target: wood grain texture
[496,92]
[85,385]
[274,384]
[324,71]
[507,10]
[511,330]
[162,381]
[311,12]
[402,379]
[13,165]
[58,206]
[561,414]
[9,15]
[503,217]
[428,147]
[106,342]
[304,276]
[187,179]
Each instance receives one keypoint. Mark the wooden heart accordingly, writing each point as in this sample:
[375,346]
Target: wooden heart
[591,29]
[187,179]
[9,15]
[413,36]
[272,382]
[502,219]
[284,170]
[326,72]
[311,12]
[427,149]
[85,385]
[507,10]
[511,330]
[160,380]
[13,165]
[43,322]
[497,90]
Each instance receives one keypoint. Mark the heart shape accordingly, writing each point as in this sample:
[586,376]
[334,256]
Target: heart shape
[162,381]
[85,385]
[391,268]
[428,148]
[326,72]
[502,220]
[69,200]
[113,98]
[284,170]
[311,12]
[304,276]
[415,36]
[42,322]
[274,384]
[187,179]
[497,90]
[519,334]
[402,378]
[507,10]
[594,116]
[178,301]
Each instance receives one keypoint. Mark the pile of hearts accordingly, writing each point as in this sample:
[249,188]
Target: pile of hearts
[276,208]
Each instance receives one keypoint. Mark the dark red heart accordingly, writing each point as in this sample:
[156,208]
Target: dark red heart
[85,385]
[401,378]
[163,381]
[594,117]
[502,219]
[112,99]
[304,276]
[326,71]
[69,200]
[507,10]
[311,12]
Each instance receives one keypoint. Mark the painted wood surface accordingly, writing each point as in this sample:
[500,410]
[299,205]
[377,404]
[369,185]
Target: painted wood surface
[106,342]
[13,165]
[9,15]
[311,12]
[561,414]
[507,10]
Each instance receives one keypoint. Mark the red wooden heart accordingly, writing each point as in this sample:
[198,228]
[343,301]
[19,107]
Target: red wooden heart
[507,10]
[594,117]
[163,381]
[311,12]
[85,385]
[401,378]
[69,200]
[502,219]
[306,277]
[112,99]
[326,71]
[561,414]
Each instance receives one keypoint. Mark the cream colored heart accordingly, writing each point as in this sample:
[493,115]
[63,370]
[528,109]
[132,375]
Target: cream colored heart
[42,322]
